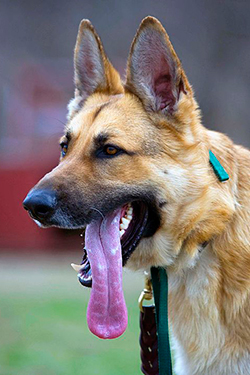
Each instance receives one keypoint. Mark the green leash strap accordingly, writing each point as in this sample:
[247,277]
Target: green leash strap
[160,289]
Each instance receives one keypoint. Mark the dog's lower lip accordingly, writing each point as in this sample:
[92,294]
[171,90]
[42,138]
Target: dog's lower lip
[85,273]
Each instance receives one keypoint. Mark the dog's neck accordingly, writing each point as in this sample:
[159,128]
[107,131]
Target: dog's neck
[209,300]
[194,273]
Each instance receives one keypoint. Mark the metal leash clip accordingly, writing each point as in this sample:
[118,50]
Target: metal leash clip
[147,293]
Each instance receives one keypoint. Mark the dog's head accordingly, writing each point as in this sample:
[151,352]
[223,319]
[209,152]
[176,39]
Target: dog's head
[136,147]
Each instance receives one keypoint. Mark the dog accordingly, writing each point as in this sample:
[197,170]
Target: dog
[135,171]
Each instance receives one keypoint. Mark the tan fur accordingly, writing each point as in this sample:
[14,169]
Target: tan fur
[209,290]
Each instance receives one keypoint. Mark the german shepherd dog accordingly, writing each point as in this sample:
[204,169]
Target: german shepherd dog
[135,171]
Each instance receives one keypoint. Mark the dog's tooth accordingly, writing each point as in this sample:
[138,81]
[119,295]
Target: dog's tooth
[124,220]
[125,223]
[76,267]
[129,217]
[122,232]
[122,226]
[130,211]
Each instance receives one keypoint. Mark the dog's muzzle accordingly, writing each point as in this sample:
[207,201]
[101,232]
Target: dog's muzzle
[40,204]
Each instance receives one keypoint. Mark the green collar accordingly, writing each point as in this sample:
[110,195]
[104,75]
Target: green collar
[217,167]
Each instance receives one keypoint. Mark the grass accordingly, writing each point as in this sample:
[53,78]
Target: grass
[43,322]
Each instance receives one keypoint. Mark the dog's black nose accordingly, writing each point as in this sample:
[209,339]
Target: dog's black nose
[40,203]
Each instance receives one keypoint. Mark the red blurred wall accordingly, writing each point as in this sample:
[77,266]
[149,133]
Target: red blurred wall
[32,116]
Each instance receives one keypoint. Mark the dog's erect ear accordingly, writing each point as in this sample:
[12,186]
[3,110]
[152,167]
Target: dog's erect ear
[93,71]
[154,72]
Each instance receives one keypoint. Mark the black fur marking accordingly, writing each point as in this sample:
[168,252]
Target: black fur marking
[101,139]
[76,208]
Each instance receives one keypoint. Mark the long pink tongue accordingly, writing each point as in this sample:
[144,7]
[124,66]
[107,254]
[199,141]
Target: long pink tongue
[107,313]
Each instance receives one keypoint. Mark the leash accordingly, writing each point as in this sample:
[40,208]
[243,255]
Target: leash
[160,288]
[148,335]
[154,337]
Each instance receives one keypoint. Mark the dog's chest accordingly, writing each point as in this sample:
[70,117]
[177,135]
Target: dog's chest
[220,363]
[195,318]
[199,338]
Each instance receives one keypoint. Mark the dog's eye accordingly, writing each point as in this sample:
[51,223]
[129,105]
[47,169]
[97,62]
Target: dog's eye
[108,151]
[64,148]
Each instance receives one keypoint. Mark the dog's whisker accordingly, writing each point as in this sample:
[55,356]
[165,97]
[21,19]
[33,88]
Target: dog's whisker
[95,209]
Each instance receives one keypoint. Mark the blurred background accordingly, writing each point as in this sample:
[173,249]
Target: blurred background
[42,307]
